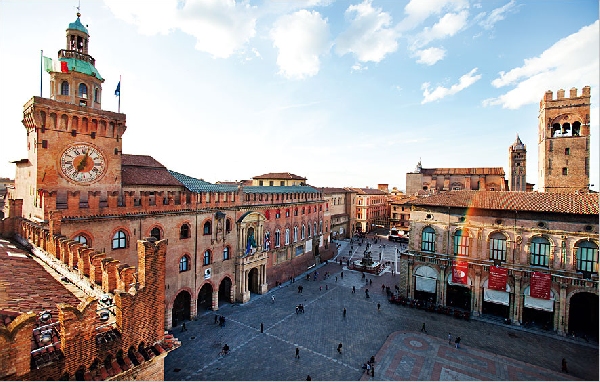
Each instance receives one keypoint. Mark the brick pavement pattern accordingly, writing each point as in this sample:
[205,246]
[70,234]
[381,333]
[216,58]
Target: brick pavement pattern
[488,351]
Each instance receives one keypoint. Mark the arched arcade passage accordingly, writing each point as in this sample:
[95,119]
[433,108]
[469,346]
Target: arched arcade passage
[181,307]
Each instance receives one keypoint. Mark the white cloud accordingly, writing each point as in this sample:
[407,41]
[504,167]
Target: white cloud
[497,15]
[572,61]
[358,67]
[440,92]
[430,56]
[447,26]
[369,36]
[221,27]
[301,38]
[418,11]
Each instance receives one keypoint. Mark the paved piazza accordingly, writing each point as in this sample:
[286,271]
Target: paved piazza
[488,351]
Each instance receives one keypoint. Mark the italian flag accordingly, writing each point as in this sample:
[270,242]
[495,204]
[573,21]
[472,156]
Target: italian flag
[51,65]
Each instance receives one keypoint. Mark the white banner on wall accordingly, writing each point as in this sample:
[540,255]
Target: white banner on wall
[308,246]
[538,303]
[425,279]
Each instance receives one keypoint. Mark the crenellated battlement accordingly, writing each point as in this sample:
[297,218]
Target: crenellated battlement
[119,321]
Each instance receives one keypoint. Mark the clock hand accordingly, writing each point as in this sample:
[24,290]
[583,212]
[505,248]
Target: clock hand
[83,162]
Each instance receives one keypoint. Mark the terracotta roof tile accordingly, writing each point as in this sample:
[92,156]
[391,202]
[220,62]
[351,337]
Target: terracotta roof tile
[26,286]
[145,170]
[464,171]
[568,203]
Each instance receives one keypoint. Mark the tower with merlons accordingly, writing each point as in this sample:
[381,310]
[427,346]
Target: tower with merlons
[72,144]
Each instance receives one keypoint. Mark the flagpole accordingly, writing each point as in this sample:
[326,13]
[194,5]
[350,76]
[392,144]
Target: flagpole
[41,69]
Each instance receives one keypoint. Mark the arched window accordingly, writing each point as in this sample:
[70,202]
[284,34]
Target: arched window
[497,247]
[461,243]
[539,251]
[308,226]
[96,95]
[83,240]
[287,213]
[64,88]
[295,234]
[303,232]
[207,228]
[226,253]
[184,231]
[287,236]
[184,263]
[119,240]
[320,226]
[315,227]
[428,240]
[155,233]
[587,256]
[83,91]
[295,211]
[206,260]
[277,238]
[227,226]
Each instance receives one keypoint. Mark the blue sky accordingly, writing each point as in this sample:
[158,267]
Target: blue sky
[344,93]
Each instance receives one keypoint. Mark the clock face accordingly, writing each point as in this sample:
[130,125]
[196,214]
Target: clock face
[82,163]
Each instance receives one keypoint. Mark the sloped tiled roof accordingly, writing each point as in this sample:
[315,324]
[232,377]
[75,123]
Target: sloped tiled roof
[279,175]
[368,191]
[199,185]
[144,170]
[26,286]
[335,190]
[464,171]
[568,203]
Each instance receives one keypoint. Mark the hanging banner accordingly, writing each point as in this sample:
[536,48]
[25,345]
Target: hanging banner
[540,285]
[497,280]
[459,272]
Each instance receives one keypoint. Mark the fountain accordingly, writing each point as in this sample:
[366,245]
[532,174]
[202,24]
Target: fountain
[367,264]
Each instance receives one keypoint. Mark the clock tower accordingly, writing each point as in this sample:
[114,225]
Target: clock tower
[72,144]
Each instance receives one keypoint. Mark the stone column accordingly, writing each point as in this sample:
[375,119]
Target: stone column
[476,301]
[561,314]
[215,300]
[442,289]
[517,317]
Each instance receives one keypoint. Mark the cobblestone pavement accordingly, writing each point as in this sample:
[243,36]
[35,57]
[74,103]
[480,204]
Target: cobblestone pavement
[391,334]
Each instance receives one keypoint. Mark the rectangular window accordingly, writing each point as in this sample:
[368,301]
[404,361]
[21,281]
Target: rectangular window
[565,171]
[260,182]
[539,254]
[270,182]
[461,245]
[567,151]
[498,249]
[299,250]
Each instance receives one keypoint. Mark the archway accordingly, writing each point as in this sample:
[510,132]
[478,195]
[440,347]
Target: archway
[181,307]
[225,290]
[205,298]
[253,282]
[426,284]
[583,315]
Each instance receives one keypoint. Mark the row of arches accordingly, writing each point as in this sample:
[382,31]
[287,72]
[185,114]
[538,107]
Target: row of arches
[182,309]
[67,122]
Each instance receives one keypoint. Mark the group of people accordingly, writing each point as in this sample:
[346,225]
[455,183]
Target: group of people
[299,308]
[220,320]
[369,367]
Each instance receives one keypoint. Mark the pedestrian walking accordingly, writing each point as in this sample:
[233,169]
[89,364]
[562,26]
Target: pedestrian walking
[320,288]
[183,328]
[326,287]
[382,287]
[308,378]
[336,279]
[344,314]
[339,348]
[423,328]
[342,274]
[457,342]
[378,306]
[216,318]
[297,352]
[564,366]
[371,282]
[272,299]
[353,289]
[449,339]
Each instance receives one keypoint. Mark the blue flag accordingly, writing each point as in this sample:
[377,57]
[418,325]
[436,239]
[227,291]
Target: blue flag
[118,89]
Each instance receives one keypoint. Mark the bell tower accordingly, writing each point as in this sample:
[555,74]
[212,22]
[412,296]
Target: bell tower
[564,142]
[517,161]
[73,146]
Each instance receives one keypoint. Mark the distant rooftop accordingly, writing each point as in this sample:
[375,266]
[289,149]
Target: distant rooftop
[279,175]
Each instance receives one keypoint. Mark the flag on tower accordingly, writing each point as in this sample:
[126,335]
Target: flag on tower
[63,67]
[118,89]
[50,65]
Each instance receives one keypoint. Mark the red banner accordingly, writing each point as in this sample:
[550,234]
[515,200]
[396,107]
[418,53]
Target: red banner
[459,272]
[539,286]
[497,280]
